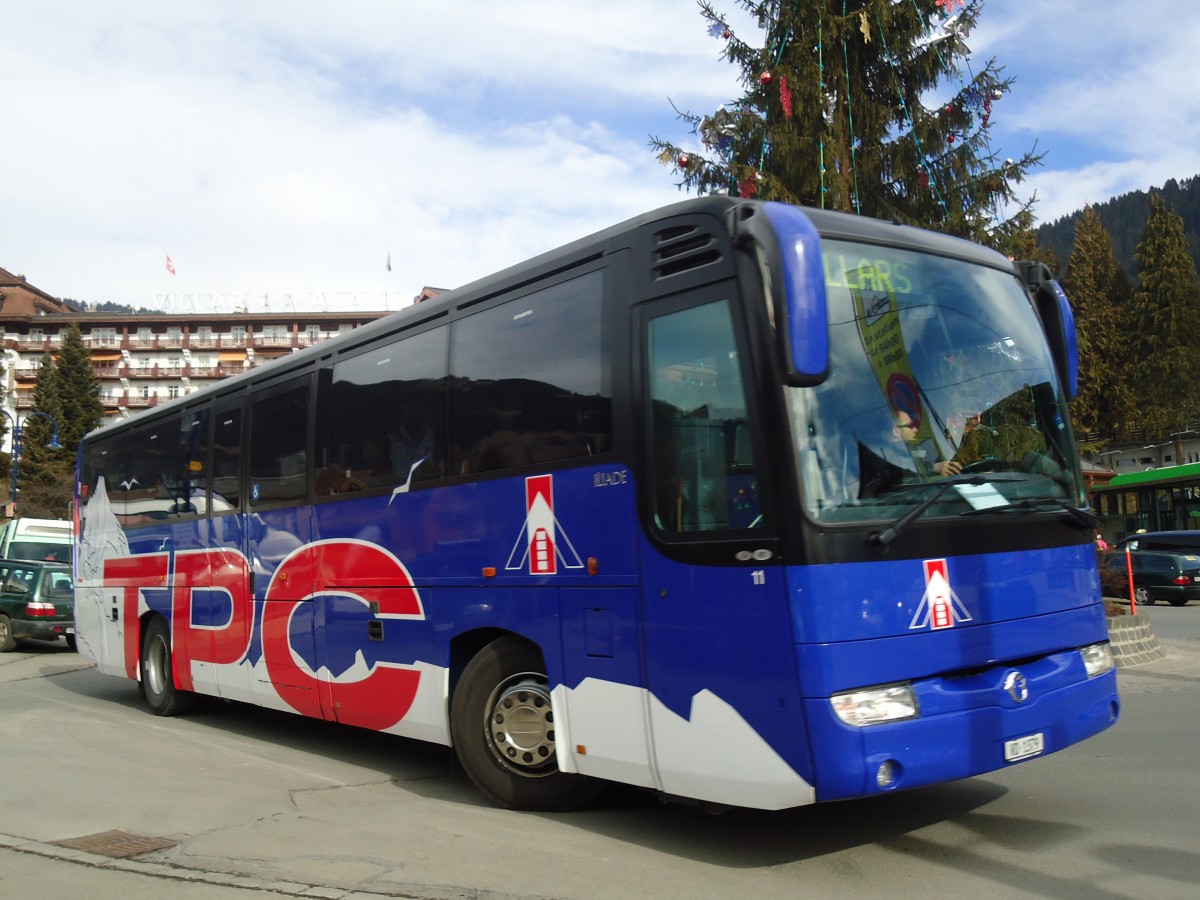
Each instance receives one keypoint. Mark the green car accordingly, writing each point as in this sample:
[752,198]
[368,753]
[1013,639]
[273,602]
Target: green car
[37,600]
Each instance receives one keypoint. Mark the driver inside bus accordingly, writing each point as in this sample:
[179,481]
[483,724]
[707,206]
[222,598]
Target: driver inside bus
[922,452]
[878,475]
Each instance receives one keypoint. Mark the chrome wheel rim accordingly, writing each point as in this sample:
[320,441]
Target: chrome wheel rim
[156,665]
[520,725]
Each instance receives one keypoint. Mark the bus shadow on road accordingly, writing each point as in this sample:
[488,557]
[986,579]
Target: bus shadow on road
[746,838]
[736,838]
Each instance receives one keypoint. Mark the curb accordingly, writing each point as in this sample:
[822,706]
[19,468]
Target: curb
[1132,641]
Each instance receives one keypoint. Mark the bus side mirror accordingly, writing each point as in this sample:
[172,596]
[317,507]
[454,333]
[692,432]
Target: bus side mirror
[794,277]
[1058,322]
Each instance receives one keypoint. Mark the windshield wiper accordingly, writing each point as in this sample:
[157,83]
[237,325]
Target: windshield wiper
[881,539]
[1081,517]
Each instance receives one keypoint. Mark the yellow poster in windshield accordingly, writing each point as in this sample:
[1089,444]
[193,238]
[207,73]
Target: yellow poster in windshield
[878,317]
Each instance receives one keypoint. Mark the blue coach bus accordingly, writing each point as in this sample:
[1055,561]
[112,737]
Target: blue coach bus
[743,503]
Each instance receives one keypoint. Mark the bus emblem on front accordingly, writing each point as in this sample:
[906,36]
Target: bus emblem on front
[940,606]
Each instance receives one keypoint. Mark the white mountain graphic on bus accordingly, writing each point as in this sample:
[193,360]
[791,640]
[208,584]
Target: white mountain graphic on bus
[542,534]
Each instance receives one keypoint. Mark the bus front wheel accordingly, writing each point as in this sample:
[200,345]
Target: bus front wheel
[158,679]
[502,725]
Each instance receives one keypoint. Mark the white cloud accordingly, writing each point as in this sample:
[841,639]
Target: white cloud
[1106,90]
[271,146]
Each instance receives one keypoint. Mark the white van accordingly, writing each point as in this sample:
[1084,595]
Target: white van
[42,539]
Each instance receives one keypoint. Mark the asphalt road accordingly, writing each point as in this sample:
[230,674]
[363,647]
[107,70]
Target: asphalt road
[253,803]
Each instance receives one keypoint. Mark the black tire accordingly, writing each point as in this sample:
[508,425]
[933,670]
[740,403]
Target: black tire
[504,684]
[8,643]
[158,678]
[1178,601]
[70,642]
[1142,595]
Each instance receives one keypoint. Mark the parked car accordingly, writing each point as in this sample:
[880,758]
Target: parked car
[1168,541]
[1174,577]
[37,600]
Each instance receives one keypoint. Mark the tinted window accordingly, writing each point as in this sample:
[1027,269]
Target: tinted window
[387,417]
[192,462]
[278,438]
[226,459]
[530,381]
[142,475]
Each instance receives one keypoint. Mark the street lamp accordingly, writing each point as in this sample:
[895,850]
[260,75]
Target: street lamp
[18,439]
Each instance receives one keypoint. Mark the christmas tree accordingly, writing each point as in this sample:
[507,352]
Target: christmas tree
[867,106]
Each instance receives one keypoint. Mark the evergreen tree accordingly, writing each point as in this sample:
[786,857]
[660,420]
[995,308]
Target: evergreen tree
[68,392]
[1099,294]
[79,406]
[837,113]
[44,485]
[1164,327]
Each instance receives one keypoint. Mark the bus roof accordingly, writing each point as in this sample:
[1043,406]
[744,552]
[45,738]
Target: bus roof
[829,223]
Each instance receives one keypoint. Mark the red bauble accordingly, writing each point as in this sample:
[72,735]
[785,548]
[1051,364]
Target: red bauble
[683,161]
[765,78]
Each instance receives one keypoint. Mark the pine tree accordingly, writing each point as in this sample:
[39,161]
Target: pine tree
[1099,294]
[79,406]
[1165,327]
[44,473]
[837,113]
[66,404]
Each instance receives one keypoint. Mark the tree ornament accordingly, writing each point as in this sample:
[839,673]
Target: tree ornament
[683,160]
[997,94]
[765,78]
[785,97]
[923,177]
[950,138]
[748,187]
[864,26]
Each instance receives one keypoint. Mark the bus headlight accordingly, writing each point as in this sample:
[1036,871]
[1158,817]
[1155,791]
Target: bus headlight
[1097,658]
[870,706]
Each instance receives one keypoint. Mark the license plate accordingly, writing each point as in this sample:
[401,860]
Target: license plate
[1024,747]
[70,630]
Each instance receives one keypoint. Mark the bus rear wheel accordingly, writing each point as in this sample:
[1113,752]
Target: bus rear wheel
[158,678]
[502,725]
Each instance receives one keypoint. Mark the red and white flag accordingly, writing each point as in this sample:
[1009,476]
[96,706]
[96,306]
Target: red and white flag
[170,265]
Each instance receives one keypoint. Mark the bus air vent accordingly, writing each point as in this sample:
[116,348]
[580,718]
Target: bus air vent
[682,248]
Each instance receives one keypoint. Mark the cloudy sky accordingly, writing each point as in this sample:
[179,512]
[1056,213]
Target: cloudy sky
[289,147]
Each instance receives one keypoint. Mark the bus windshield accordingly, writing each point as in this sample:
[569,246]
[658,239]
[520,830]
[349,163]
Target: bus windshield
[940,372]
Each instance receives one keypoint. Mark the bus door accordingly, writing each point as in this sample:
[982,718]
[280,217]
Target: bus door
[716,632]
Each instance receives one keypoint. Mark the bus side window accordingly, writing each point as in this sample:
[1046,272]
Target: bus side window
[278,442]
[704,468]
[530,380]
[381,416]
[225,469]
